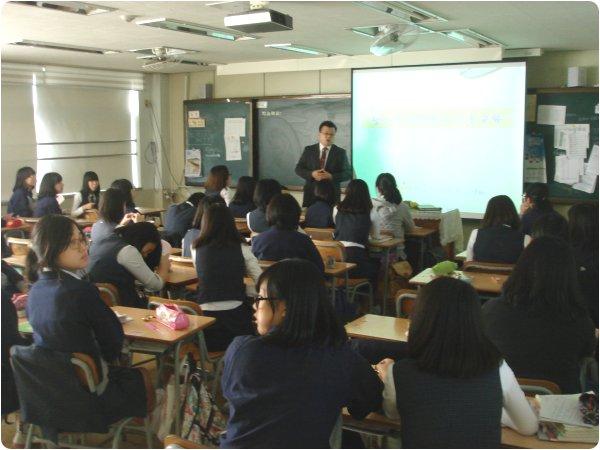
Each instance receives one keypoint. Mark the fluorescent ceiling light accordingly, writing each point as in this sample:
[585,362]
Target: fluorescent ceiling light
[404,11]
[471,38]
[194,28]
[67,47]
[86,9]
[299,49]
[161,51]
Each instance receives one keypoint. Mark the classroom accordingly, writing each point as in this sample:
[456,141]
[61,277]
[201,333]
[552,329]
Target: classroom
[299,224]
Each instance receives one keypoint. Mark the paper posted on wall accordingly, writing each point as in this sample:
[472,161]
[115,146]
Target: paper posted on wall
[233,148]
[235,126]
[535,160]
[193,163]
[551,114]
[568,170]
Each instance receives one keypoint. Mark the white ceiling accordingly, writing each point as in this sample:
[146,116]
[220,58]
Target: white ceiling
[568,25]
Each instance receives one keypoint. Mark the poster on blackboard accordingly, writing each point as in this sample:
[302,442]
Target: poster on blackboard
[535,159]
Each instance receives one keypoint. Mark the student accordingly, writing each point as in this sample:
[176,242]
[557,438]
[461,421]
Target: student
[242,203]
[354,219]
[130,254]
[192,234]
[68,315]
[551,225]
[217,183]
[287,386]
[264,192]
[112,214]
[21,200]
[89,195]
[320,213]
[454,390]
[393,215]
[126,187]
[499,239]
[540,323]
[51,187]
[283,240]
[583,236]
[179,219]
[535,205]
[222,259]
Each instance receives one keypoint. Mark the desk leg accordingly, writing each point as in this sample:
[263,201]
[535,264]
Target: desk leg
[386,267]
[177,389]
[333,291]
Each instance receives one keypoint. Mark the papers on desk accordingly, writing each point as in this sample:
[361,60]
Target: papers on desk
[380,240]
[123,318]
[561,420]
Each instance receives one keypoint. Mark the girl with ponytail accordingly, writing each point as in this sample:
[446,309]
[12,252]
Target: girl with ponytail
[67,315]
[393,215]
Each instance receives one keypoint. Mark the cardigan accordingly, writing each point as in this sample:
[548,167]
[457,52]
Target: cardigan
[275,245]
[21,203]
[102,229]
[292,397]
[545,346]
[46,205]
[239,210]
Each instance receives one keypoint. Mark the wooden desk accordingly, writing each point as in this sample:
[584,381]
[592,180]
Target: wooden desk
[81,222]
[176,251]
[242,228]
[489,283]
[183,260]
[422,235]
[154,332]
[386,245]
[462,256]
[150,211]
[16,260]
[383,328]
[23,229]
[180,275]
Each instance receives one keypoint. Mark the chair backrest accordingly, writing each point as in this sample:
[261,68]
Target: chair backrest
[331,248]
[86,370]
[187,306]
[320,234]
[533,386]
[109,294]
[18,246]
[405,302]
[476,266]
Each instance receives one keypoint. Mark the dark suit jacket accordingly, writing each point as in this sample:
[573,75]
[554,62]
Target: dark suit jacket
[337,165]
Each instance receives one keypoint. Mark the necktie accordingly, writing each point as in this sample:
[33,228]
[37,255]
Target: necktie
[323,157]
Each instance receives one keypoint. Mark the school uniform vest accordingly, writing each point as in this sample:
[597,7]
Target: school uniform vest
[177,221]
[104,268]
[352,227]
[319,215]
[239,210]
[257,221]
[212,192]
[220,273]
[498,244]
[443,412]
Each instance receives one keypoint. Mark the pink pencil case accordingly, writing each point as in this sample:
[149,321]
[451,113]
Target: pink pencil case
[172,316]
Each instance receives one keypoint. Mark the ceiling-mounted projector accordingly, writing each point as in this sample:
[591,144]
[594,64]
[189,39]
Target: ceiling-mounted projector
[259,21]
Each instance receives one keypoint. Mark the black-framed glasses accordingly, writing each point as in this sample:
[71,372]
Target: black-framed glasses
[258,298]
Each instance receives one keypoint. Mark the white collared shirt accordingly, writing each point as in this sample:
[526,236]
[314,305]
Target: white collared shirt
[321,147]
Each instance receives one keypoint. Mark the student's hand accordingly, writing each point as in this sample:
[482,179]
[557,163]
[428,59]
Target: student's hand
[382,368]
[88,206]
[131,217]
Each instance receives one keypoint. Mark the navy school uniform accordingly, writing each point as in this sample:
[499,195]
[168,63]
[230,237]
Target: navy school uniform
[103,267]
[221,272]
[257,220]
[275,245]
[189,237]
[319,215]
[67,315]
[587,274]
[240,210]
[45,206]
[21,203]
[177,221]
[531,216]
[350,227]
[292,397]
[499,244]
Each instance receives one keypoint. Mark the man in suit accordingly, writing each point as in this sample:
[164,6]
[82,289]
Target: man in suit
[323,161]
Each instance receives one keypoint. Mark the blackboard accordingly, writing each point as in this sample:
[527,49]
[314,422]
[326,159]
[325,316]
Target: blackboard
[581,104]
[204,124]
[287,125]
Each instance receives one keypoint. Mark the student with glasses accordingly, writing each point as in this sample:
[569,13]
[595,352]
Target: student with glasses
[67,315]
[286,387]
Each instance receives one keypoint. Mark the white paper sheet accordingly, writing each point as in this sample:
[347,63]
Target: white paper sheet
[193,163]
[587,183]
[235,126]
[233,148]
[561,408]
[578,144]
[592,164]
[568,169]
[193,114]
[551,114]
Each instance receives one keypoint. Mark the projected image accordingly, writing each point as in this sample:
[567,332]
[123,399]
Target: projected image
[451,135]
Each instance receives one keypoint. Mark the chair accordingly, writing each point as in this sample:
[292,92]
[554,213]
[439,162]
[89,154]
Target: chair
[109,294]
[205,357]
[18,246]
[477,266]
[533,386]
[335,249]
[88,376]
[91,215]
[405,302]
[320,234]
